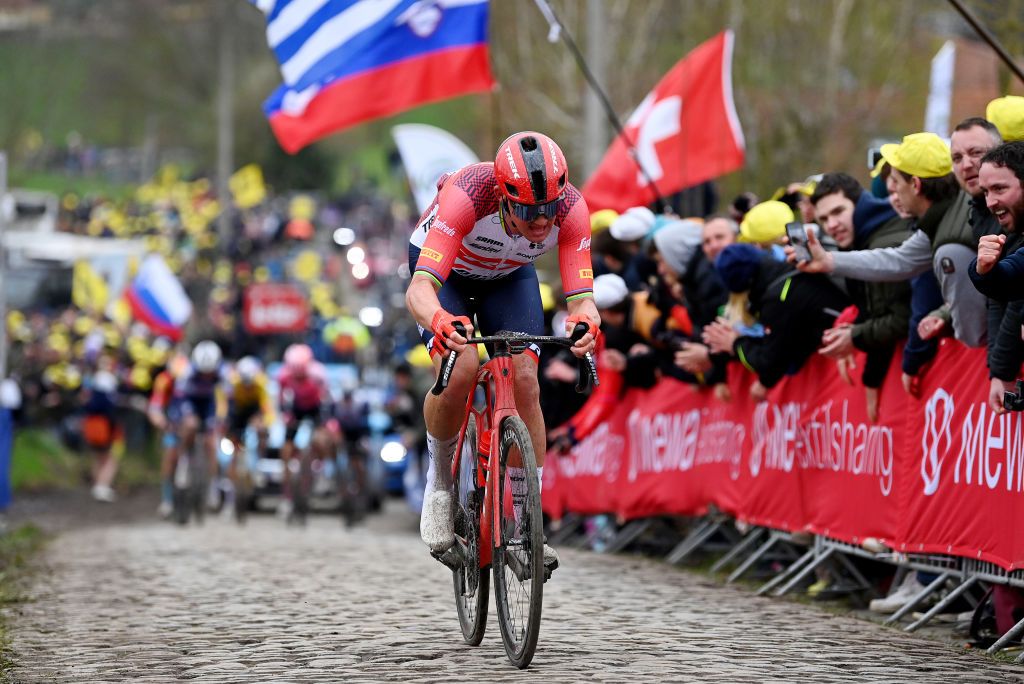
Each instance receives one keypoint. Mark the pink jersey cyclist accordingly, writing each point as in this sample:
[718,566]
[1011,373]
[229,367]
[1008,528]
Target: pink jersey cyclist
[302,388]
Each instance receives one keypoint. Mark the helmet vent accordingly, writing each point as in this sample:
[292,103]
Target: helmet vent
[540,191]
[528,144]
[511,190]
[561,181]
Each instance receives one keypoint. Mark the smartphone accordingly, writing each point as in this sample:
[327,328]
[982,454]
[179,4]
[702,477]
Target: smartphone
[874,156]
[797,235]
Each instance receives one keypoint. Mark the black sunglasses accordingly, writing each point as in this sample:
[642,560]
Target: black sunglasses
[529,212]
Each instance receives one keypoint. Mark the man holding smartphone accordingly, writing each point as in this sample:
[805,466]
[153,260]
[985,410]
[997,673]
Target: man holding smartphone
[857,220]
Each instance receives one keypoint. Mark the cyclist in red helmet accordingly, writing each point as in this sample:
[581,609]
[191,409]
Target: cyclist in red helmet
[472,257]
[302,395]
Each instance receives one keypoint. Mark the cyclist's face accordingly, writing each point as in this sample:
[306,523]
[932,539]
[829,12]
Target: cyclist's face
[536,230]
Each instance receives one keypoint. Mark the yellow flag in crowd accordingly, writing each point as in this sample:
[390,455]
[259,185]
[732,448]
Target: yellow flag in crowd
[89,290]
[247,186]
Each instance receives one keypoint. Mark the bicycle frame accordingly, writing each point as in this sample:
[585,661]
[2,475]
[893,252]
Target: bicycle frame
[497,378]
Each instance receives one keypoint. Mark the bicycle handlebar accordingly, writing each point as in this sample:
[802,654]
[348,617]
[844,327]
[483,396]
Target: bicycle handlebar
[517,343]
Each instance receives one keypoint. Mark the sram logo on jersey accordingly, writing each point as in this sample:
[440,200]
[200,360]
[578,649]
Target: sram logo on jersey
[587,273]
[511,161]
[431,254]
[489,241]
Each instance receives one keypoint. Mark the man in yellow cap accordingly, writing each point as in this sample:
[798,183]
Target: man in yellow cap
[923,180]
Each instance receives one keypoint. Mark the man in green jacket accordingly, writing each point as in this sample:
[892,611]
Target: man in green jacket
[857,220]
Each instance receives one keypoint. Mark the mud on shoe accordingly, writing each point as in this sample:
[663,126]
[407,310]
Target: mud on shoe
[550,559]
[437,526]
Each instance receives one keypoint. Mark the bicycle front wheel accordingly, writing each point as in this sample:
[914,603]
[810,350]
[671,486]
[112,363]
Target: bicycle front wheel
[472,582]
[519,556]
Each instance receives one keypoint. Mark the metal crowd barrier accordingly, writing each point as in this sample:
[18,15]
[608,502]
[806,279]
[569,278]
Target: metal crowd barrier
[758,544]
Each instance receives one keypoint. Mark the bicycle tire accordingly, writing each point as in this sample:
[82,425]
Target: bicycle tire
[471,582]
[198,481]
[243,491]
[303,482]
[518,599]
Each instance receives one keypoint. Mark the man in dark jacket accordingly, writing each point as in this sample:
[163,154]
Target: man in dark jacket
[998,238]
[794,308]
[855,219]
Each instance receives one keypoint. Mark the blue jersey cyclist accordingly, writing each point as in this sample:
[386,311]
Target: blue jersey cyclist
[472,257]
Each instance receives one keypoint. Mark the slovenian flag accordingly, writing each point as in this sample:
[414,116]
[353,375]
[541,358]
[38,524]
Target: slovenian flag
[345,62]
[157,298]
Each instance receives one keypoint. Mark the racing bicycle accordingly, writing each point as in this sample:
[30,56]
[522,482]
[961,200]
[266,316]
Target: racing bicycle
[489,534]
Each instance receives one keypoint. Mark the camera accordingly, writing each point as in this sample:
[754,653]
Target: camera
[1014,401]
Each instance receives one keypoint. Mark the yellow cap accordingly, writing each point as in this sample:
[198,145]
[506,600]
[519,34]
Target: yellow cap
[875,172]
[602,219]
[924,155]
[766,222]
[1007,113]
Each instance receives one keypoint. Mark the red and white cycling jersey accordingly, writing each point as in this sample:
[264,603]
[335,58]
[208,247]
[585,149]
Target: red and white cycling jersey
[462,231]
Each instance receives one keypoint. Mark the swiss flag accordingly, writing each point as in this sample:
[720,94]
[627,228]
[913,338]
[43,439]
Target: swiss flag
[685,132]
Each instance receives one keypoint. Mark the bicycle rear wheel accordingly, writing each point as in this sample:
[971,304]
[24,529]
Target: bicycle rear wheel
[302,485]
[519,557]
[472,582]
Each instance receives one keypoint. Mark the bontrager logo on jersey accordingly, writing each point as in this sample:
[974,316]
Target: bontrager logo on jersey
[587,273]
[511,161]
[432,254]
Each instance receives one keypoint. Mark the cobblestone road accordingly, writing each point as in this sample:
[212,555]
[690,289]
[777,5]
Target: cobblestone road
[151,602]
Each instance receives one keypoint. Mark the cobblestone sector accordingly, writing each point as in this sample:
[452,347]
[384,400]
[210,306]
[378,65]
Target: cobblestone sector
[155,603]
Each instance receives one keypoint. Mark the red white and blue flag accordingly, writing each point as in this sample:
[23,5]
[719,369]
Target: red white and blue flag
[157,298]
[348,61]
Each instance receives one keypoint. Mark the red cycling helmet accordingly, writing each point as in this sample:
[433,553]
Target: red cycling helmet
[532,174]
[297,358]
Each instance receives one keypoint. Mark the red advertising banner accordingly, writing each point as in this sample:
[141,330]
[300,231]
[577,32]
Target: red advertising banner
[965,467]
[939,474]
[270,308]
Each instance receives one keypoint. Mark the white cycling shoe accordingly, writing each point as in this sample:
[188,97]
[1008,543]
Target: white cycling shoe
[437,525]
[550,558]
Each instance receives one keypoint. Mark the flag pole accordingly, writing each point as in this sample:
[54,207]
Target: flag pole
[987,36]
[558,29]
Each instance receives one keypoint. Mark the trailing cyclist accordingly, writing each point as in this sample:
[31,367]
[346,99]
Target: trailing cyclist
[303,396]
[200,394]
[249,406]
[472,256]
[164,415]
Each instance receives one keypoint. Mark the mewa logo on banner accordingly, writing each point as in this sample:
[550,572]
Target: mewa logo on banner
[345,62]
[684,132]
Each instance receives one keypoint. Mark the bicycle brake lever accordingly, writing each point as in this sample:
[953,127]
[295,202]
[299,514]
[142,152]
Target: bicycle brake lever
[587,369]
[447,365]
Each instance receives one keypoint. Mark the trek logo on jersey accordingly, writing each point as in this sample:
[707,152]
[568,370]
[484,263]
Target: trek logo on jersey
[429,220]
[431,254]
[584,245]
[511,161]
[587,273]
